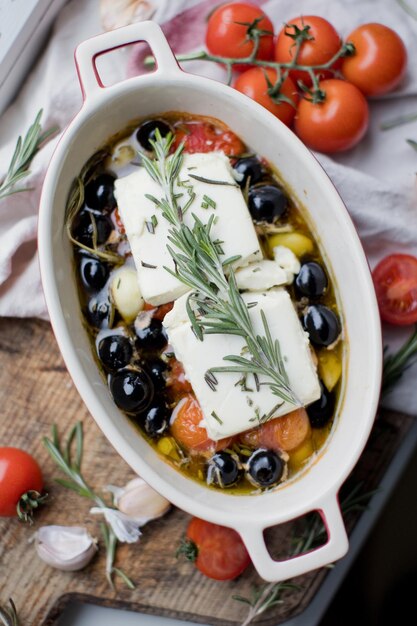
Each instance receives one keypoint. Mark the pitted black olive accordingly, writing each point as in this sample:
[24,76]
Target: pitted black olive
[147,132]
[322,325]
[249,167]
[267,203]
[115,352]
[321,411]
[265,468]
[311,280]
[99,193]
[223,469]
[132,390]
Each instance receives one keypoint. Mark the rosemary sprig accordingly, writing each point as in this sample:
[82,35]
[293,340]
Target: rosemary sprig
[399,121]
[396,364]
[412,143]
[8,615]
[215,305]
[24,152]
[69,458]
[308,537]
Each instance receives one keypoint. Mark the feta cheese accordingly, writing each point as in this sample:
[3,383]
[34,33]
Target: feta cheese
[287,260]
[233,225]
[260,275]
[228,409]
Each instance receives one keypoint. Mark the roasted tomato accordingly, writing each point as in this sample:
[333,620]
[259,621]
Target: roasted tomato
[176,381]
[281,433]
[379,62]
[395,280]
[204,137]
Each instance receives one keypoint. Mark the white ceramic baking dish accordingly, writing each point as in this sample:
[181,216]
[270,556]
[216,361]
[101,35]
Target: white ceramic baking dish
[108,110]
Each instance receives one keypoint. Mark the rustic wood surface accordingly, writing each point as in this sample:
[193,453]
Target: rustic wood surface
[35,392]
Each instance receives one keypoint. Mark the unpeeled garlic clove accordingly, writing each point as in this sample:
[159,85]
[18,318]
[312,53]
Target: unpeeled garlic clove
[139,501]
[67,548]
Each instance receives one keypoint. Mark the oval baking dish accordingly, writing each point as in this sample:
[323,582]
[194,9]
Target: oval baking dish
[106,111]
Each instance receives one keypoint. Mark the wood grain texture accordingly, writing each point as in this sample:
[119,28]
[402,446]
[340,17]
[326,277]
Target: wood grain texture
[35,392]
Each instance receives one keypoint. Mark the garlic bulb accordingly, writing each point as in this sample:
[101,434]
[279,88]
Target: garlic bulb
[116,13]
[139,501]
[68,548]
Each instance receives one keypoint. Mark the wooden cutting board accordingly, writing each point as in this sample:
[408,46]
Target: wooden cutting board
[35,392]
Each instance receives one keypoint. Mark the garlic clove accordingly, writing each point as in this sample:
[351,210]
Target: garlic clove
[117,13]
[67,548]
[139,501]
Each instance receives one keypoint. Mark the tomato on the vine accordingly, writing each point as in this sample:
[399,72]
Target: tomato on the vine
[336,124]
[218,552]
[20,474]
[230,31]
[204,137]
[395,280]
[379,62]
[322,44]
[253,83]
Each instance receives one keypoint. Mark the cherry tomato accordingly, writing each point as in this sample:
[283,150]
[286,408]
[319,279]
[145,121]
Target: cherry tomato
[187,430]
[205,137]
[19,473]
[253,84]
[323,45]
[395,280]
[379,62]
[281,433]
[176,382]
[227,32]
[336,124]
[221,553]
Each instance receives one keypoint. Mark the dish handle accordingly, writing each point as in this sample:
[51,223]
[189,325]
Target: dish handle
[148,32]
[276,571]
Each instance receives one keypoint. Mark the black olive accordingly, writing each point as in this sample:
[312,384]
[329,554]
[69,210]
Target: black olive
[267,203]
[98,311]
[223,469]
[265,468]
[249,167]
[322,325]
[311,280]
[156,369]
[151,338]
[156,419]
[146,132]
[83,228]
[132,390]
[99,193]
[94,273]
[321,411]
[115,352]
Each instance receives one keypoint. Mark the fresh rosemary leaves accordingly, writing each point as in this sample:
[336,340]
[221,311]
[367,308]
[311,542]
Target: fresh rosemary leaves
[69,462]
[396,364]
[24,152]
[215,305]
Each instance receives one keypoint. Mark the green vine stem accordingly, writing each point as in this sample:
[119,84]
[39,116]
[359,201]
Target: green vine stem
[299,36]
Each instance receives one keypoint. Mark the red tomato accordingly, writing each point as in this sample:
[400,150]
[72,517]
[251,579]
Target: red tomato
[281,433]
[395,280]
[160,311]
[324,44]
[253,84]
[221,553]
[186,429]
[229,34]
[19,473]
[380,60]
[205,137]
[176,382]
[336,124]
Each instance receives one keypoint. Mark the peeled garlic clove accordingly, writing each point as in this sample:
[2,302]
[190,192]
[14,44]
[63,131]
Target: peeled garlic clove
[125,293]
[140,502]
[67,548]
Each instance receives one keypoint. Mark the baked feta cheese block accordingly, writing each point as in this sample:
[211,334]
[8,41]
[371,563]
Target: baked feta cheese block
[229,407]
[147,230]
